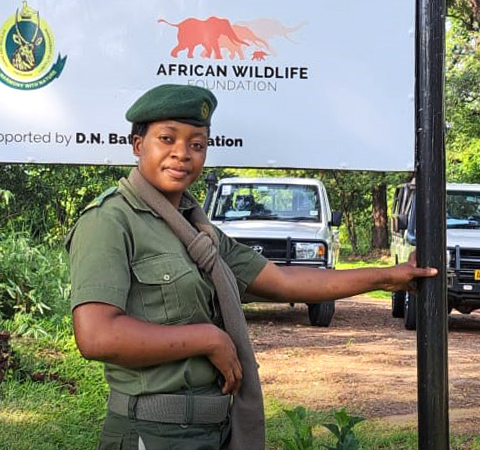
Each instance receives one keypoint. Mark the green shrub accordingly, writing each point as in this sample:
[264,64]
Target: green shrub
[343,431]
[33,280]
[303,437]
[46,200]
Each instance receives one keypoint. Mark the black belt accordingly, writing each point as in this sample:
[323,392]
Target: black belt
[173,408]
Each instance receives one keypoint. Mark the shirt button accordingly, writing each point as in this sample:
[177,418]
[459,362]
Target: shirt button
[166,277]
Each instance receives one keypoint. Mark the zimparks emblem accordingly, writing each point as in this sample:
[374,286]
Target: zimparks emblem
[27,51]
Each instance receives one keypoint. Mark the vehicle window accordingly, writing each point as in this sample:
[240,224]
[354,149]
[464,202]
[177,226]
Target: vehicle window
[395,208]
[267,201]
[463,209]
[409,203]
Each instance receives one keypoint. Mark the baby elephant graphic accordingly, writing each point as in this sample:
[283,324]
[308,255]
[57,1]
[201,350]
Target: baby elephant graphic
[194,32]
[259,55]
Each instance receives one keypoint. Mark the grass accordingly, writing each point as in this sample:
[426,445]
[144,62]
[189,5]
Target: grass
[363,262]
[65,412]
[372,434]
[48,416]
[51,415]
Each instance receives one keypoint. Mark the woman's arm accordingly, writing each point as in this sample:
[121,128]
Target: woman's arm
[104,333]
[313,285]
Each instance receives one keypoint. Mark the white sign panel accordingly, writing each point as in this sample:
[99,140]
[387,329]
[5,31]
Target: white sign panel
[322,84]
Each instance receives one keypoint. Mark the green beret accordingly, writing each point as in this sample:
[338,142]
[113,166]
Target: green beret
[190,104]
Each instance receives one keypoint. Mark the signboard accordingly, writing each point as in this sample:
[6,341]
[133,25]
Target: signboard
[319,85]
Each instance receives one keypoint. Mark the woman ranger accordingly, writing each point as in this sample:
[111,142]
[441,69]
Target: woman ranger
[156,292]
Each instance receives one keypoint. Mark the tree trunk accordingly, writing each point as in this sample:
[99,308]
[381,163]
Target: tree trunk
[352,231]
[380,228]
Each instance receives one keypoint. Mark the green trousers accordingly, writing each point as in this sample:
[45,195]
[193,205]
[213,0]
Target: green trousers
[122,433]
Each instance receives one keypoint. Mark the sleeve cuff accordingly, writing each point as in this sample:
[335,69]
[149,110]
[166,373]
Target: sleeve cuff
[99,294]
[251,270]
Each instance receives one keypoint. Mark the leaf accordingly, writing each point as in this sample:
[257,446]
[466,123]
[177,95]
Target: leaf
[350,443]
[333,428]
[303,436]
[300,412]
[289,444]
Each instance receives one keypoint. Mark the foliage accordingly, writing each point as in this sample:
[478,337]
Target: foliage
[5,198]
[343,431]
[303,437]
[462,101]
[47,200]
[466,11]
[351,193]
[33,280]
[62,410]
[47,416]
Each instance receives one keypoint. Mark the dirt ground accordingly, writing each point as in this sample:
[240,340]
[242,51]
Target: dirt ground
[365,360]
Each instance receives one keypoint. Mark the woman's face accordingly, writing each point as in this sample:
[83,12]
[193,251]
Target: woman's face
[171,156]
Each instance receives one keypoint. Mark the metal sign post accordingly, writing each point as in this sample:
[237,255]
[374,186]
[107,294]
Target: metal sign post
[432,325]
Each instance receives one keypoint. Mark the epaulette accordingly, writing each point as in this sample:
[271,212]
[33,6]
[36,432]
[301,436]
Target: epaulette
[96,202]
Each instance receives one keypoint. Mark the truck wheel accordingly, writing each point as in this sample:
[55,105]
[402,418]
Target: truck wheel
[321,314]
[398,304]
[410,318]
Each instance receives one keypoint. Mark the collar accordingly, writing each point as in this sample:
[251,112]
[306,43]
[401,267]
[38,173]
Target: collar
[126,190]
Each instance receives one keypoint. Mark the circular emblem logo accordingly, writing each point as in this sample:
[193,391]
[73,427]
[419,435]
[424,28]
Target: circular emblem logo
[27,51]
[205,110]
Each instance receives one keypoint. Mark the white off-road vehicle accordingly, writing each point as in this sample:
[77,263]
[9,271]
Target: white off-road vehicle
[288,220]
[463,247]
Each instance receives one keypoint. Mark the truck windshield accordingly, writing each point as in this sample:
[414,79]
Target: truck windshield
[463,209]
[289,202]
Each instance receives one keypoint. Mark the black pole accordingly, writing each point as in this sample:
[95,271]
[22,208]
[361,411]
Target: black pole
[432,325]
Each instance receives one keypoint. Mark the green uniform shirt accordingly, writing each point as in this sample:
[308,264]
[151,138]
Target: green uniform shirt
[123,254]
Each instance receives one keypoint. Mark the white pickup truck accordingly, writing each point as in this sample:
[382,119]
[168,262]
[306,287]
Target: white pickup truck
[288,220]
[463,247]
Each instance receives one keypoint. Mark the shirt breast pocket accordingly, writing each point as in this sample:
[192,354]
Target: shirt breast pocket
[166,284]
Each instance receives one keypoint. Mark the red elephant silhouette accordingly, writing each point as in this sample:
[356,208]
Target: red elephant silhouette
[259,55]
[193,32]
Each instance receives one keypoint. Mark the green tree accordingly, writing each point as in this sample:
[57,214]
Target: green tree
[462,98]
[379,213]
[466,11]
[462,91]
[47,200]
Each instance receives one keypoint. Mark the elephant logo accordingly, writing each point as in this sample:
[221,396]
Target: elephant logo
[216,34]
[259,56]
[206,33]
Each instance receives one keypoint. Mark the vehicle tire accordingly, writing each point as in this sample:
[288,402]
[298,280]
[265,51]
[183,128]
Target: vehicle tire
[398,304]
[321,314]
[410,318]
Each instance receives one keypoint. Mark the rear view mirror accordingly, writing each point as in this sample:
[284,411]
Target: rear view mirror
[336,218]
